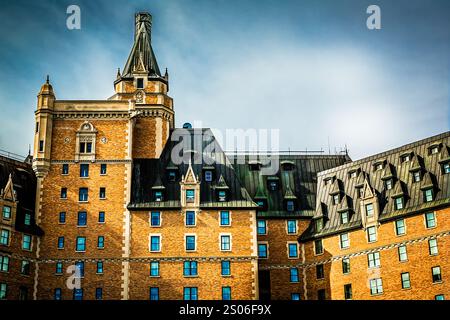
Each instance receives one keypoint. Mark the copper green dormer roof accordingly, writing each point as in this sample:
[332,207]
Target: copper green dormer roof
[158,182]
[260,189]
[221,184]
[142,58]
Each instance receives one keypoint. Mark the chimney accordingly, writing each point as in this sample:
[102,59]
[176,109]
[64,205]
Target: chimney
[142,18]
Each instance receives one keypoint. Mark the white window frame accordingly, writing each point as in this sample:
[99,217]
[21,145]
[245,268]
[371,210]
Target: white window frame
[150,242]
[195,242]
[220,242]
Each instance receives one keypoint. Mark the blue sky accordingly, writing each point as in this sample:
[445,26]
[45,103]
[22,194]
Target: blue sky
[309,68]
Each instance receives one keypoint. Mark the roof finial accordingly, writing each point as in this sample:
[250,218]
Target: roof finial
[29,149]
[48,79]
[118,72]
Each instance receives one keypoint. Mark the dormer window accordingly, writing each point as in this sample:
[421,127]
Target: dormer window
[328,181]
[140,83]
[359,192]
[388,184]
[405,158]
[172,175]
[290,206]
[434,149]
[353,173]
[336,199]
[378,166]
[369,209]
[287,165]
[446,167]
[273,184]
[417,176]
[208,175]
[254,166]
[428,195]
[262,204]
[344,217]
[398,203]
[158,196]
[222,195]
[190,195]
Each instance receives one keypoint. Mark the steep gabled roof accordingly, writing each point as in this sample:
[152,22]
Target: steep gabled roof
[142,58]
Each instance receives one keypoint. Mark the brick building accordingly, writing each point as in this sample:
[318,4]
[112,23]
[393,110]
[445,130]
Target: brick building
[114,196]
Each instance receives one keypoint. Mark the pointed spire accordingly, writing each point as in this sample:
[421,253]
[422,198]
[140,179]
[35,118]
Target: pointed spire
[118,73]
[158,182]
[142,57]
[48,79]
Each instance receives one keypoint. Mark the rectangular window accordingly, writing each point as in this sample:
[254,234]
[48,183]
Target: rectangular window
[439,297]
[388,184]
[318,225]
[3,291]
[155,243]
[82,219]
[41,145]
[436,274]
[59,268]
[190,218]
[402,253]
[374,260]
[372,234]
[63,194]
[318,246]
[226,293]
[369,210]
[295,296]
[65,169]
[101,217]
[99,267]
[79,265]
[262,227]
[446,167]
[433,247]
[84,170]
[344,217]
[155,220]
[291,227]
[154,269]
[62,217]
[400,227]
[154,293]
[190,293]
[4,237]
[222,196]
[292,250]
[376,286]
[37,127]
[417,176]
[57,294]
[208,176]
[190,243]
[190,268]
[88,147]
[103,169]
[140,83]
[98,294]
[345,265]
[406,283]
[225,242]
[225,268]
[83,195]
[102,193]
[224,218]
[262,250]
[348,292]
[430,220]
[81,244]
[6,212]
[26,242]
[294,275]
[290,205]
[344,240]
[158,196]
[428,195]
[101,242]
[172,176]
[320,271]
[60,242]
[398,203]
[27,219]
[25,267]
[336,199]
[190,195]
[4,263]
[77,294]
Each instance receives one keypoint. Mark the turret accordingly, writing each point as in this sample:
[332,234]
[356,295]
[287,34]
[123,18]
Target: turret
[43,129]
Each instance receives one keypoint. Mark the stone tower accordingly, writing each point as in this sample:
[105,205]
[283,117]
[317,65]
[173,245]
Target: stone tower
[83,154]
